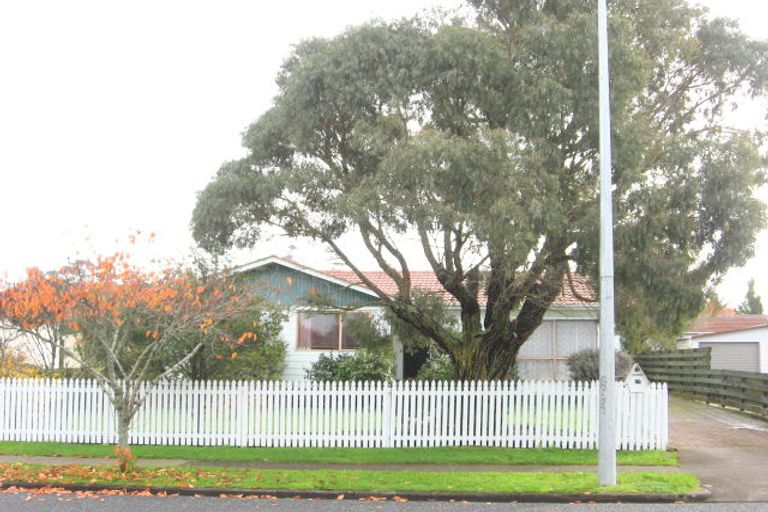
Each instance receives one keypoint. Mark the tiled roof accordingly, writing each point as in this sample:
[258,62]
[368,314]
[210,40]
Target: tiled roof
[427,280]
[706,325]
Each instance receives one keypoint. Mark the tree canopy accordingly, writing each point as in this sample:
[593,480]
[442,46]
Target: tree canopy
[481,138]
[752,304]
[122,320]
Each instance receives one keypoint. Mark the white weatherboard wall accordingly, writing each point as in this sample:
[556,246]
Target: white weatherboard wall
[373,414]
[297,362]
[565,330]
[545,354]
[759,335]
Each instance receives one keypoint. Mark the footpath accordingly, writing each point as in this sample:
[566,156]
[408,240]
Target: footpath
[473,468]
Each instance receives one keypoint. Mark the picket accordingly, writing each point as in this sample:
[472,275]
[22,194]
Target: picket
[349,414]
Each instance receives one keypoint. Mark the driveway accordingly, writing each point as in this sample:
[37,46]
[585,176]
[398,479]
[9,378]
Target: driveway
[726,450]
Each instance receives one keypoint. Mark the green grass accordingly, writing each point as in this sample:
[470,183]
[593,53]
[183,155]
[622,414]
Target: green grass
[352,480]
[443,455]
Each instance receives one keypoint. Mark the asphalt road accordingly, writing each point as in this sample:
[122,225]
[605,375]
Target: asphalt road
[24,502]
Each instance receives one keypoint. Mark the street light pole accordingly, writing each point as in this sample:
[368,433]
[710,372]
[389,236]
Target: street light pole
[606,466]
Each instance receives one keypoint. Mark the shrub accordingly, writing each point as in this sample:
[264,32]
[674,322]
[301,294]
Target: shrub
[585,364]
[359,366]
[259,355]
[438,367]
[14,364]
[264,360]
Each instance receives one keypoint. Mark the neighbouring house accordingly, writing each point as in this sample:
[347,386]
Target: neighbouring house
[738,342]
[570,325]
[37,352]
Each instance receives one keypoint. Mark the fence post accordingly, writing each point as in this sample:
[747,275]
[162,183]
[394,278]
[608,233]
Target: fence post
[389,413]
[665,416]
[242,412]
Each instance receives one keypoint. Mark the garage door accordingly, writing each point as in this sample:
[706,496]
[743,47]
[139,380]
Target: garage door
[741,356]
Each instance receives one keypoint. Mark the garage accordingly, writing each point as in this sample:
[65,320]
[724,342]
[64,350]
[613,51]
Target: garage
[741,356]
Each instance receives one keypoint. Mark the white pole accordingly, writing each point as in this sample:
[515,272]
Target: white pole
[606,467]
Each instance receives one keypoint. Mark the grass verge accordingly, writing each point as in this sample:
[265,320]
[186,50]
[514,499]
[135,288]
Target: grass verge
[469,455]
[351,480]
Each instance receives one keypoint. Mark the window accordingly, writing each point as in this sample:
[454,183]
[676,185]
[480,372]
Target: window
[325,331]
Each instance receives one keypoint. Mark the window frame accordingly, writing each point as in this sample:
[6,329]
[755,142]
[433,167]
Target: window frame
[339,314]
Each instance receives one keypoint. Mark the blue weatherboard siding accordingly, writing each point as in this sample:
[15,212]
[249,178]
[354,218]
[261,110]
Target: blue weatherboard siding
[292,288]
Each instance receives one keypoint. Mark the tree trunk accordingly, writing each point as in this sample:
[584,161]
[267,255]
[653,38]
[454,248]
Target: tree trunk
[481,360]
[124,416]
[485,349]
[123,431]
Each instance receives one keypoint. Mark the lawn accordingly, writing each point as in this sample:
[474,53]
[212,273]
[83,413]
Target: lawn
[442,455]
[350,480]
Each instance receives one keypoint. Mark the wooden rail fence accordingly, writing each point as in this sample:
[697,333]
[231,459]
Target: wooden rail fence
[688,372]
[358,414]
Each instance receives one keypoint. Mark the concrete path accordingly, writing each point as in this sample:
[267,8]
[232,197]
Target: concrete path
[726,450]
[86,461]
[433,468]
[94,461]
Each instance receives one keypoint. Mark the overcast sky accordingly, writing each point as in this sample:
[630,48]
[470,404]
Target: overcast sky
[114,114]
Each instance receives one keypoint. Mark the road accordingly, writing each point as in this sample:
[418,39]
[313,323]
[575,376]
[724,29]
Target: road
[24,502]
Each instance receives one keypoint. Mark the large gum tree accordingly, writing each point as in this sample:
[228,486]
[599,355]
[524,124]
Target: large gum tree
[481,138]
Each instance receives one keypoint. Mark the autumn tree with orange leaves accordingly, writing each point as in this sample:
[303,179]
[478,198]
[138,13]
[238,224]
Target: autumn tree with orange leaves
[103,302]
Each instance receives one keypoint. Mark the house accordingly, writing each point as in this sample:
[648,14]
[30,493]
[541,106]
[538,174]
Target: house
[570,325]
[738,342]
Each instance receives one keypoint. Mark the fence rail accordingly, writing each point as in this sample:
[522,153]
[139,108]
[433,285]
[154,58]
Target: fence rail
[367,414]
[688,372]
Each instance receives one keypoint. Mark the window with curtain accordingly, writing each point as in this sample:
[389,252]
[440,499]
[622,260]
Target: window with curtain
[325,331]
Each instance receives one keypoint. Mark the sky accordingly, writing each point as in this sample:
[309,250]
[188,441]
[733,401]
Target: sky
[113,115]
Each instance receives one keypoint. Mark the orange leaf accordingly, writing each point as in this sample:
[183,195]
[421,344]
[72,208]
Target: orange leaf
[246,336]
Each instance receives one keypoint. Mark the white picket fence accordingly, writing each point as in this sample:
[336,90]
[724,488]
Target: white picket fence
[520,414]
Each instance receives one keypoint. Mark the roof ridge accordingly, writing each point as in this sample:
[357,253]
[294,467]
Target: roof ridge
[428,281]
